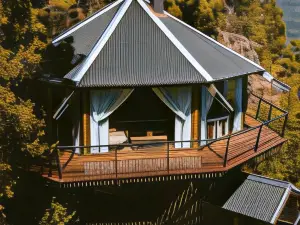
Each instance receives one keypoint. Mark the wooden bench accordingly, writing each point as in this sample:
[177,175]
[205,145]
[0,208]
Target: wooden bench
[148,139]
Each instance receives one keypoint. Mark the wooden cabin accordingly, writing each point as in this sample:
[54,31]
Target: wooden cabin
[151,98]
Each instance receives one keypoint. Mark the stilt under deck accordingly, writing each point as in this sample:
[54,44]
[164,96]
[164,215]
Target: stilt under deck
[164,160]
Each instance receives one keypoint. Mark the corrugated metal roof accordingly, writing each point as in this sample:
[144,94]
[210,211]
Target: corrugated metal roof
[86,36]
[148,50]
[138,53]
[259,197]
[215,59]
[73,72]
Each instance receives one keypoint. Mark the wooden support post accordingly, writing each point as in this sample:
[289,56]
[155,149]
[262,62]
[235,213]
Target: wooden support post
[58,163]
[50,166]
[49,126]
[116,162]
[235,220]
[49,116]
[201,210]
[195,115]
[270,112]
[284,125]
[86,137]
[245,98]
[168,157]
[258,109]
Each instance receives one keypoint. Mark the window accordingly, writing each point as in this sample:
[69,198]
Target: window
[210,130]
[217,127]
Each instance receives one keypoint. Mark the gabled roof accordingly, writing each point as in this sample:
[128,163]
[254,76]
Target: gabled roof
[127,44]
[261,198]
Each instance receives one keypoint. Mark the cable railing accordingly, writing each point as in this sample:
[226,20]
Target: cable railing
[173,157]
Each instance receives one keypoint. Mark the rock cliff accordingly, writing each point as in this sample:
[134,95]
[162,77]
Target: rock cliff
[240,44]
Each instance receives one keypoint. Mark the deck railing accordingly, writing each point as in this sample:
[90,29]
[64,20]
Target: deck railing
[165,158]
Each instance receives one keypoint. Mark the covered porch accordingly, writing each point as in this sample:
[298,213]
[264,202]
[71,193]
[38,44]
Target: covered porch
[264,130]
[102,118]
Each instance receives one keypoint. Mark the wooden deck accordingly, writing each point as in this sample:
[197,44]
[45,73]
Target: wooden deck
[155,161]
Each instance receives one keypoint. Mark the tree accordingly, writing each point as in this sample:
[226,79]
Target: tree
[205,20]
[21,130]
[286,165]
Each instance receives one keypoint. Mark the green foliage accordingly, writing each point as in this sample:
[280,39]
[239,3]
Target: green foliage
[205,15]
[56,215]
[295,43]
[286,165]
[174,9]
[288,53]
[62,4]
[20,129]
[205,19]
[290,58]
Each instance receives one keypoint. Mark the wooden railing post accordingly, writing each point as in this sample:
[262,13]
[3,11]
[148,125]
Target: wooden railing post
[270,112]
[258,109]
[59,169]
[226,153]
[258,137]
[284,125]
[168,157]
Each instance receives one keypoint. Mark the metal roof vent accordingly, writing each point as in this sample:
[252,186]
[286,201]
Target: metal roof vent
[158,6]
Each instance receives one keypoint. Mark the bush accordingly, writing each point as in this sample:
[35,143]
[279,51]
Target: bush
[56,215]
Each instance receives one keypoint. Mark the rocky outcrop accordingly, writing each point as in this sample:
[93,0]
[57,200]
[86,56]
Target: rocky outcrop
[240,44]
[245,47]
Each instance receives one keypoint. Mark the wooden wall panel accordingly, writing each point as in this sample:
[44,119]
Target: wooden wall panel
[195,115]
[86,137]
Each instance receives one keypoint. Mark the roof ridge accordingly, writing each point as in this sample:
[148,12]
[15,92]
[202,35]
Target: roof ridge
[102,40]
[176,42]
[269,180]
[88,19]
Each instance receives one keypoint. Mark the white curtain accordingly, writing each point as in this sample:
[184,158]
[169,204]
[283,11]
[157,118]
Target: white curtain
[206,102]
[237,121]
[103,103]
[179,100]
[76,121]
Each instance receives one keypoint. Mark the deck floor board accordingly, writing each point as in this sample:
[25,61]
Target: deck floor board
[153,161]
